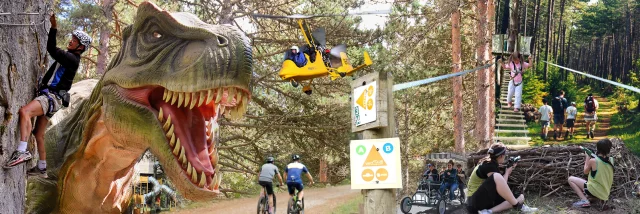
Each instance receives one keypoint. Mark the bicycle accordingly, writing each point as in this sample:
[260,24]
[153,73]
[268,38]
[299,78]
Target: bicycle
[293,207]
[263,202]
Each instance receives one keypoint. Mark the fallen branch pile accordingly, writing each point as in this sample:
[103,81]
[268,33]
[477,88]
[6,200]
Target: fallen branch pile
[545,170]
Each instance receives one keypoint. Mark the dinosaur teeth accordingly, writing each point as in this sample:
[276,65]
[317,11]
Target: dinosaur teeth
[172,142]
[203,96]
[169,133]
[203,180]
[170,95]
[231,92]
[180,98]
[210,96]
[176,150]
[219,95]
[194,176]
[189,171]
[160,116]
[167,124]
[164,95]
[174,97]
[194,100]
[182,157]
[187,98]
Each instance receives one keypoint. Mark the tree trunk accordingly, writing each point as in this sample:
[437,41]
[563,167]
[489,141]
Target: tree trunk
[484,88]
[456,51]
[514,25]
[536,24]
[105,34]
[22,60]
[549,20]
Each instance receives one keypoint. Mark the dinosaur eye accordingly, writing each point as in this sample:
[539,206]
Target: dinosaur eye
[157,35]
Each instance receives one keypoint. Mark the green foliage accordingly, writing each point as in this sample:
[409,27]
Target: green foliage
[351,206]
[533,90]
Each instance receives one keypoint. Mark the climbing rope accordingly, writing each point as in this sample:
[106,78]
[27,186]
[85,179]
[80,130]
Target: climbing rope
[634,89]
[406,85]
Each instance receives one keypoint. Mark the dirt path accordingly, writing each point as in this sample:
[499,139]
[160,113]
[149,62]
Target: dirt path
[321,200]
[605,112]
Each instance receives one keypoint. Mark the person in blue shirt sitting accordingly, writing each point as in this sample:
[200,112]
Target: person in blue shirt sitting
[449,180]
[297,57]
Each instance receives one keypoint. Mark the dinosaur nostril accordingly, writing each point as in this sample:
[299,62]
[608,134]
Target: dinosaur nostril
[222,41]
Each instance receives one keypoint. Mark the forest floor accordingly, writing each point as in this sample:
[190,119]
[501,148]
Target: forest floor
[317,200]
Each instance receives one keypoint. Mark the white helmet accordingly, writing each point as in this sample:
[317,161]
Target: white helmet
[83,37]
[295,48]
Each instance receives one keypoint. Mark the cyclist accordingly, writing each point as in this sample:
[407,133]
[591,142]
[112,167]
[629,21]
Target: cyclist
[266,177]
[293,172]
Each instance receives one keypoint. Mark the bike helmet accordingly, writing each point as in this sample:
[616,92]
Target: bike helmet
[270,159]
[295,48]
[83,37]
[295,157]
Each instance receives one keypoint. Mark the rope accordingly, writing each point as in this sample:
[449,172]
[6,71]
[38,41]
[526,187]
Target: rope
[634,89]
[406,85]
[32,24]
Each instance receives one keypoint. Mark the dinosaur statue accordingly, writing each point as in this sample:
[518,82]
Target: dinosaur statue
[163,92]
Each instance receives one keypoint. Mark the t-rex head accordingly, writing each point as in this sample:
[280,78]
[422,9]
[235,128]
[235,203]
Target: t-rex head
[164,91]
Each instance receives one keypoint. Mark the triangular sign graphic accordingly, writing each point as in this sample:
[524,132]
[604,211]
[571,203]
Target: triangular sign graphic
[374,158]
[360,100]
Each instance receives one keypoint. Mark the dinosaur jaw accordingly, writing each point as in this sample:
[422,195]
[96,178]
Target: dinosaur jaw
[189,123]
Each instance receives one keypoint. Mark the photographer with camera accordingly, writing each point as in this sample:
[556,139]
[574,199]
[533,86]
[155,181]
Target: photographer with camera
[599,172]
[488,188]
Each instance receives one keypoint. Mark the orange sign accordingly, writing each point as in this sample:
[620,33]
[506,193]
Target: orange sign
[367,175]
[382,174]
[374,158]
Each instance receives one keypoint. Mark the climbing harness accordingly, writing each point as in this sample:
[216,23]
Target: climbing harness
[634,89]
[518,72]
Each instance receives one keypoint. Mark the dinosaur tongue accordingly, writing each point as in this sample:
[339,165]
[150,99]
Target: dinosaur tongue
[190,128]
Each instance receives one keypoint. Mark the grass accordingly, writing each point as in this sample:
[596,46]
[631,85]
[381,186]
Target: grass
[625,126]
[351,206]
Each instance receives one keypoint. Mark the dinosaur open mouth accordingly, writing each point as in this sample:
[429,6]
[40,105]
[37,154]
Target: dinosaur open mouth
[189,121]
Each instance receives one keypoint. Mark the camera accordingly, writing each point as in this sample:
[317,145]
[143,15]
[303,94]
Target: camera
[512,161]
[588,151]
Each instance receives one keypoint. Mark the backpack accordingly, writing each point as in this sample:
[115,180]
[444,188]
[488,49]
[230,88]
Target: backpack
[589,104]
[557,105]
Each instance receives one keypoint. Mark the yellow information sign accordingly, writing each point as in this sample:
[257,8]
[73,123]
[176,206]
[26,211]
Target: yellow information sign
[365,105]
[375,164]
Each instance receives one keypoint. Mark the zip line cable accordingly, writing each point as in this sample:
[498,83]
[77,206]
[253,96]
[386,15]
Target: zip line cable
[406,85]
[21,13]
[634,89]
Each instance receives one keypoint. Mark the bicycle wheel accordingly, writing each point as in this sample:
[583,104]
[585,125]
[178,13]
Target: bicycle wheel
[274,202]
[290,206]
[442,206]
[262,206]
[405,205]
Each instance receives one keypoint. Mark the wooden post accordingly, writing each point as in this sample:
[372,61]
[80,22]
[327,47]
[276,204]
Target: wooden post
[382,201]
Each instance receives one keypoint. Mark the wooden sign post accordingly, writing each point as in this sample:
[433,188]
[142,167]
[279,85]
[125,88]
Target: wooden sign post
[372,113]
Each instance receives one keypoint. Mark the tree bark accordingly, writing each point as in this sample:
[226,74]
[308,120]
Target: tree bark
[456,51]
[536,24]
[23,58]
[484,86]
[549,20]
[105,34]
[514,25]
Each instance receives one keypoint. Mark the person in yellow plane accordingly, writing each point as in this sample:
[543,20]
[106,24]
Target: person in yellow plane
[297,57]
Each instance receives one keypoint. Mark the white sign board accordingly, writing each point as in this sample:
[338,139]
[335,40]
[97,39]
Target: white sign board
[375,164]
[365,103]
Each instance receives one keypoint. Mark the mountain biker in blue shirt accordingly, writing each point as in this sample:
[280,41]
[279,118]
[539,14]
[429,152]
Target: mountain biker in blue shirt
[293,173]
